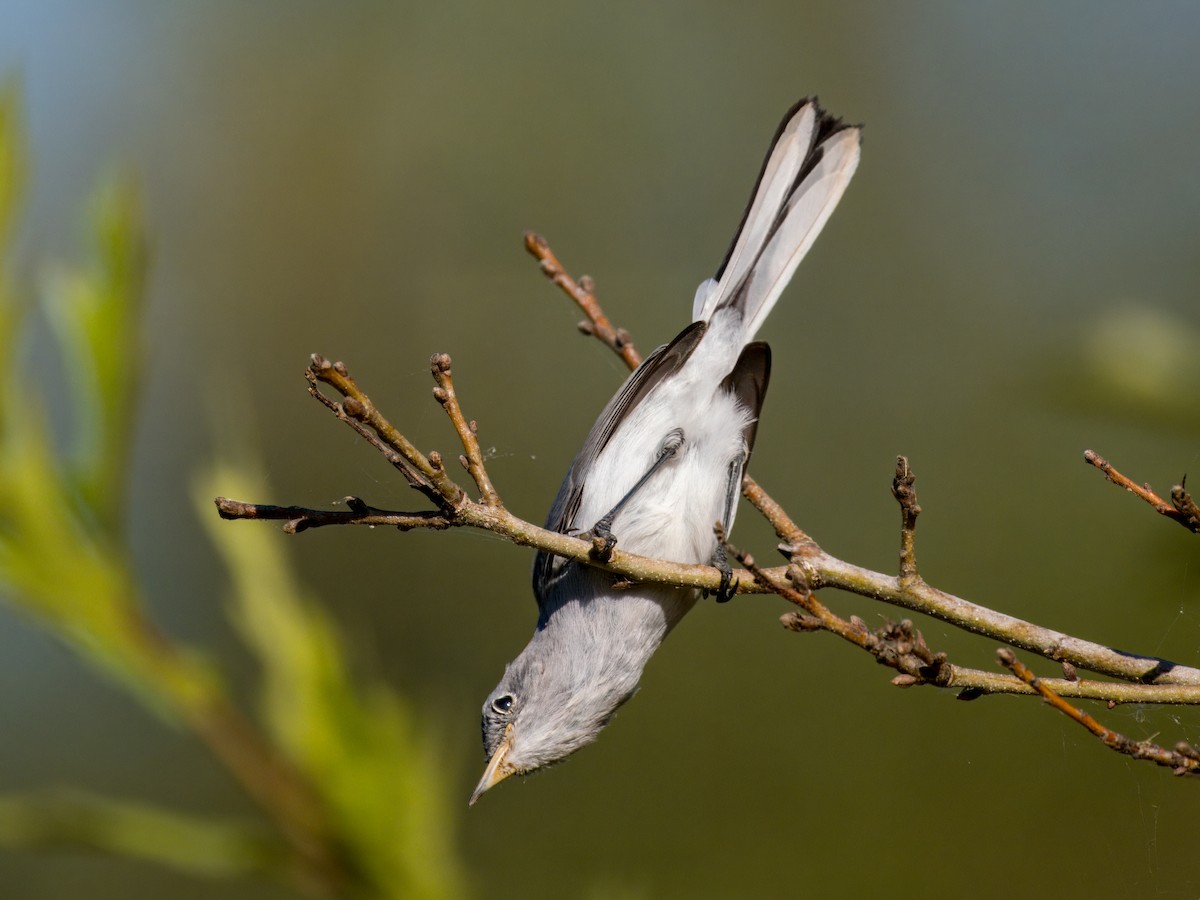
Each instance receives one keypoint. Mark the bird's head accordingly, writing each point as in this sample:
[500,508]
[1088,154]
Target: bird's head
[547,706]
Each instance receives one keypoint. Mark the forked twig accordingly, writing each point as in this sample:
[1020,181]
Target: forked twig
[1182,508]
[582,292]
[1184,759]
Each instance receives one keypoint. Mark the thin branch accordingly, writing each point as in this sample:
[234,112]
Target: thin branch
[791,535]
[823,570]
[472,459]
[897,645]
[1188,508]
[301,518]
[900,646]
[597,323]
[1183,760]
[1182,508]
[906,495]
[359,413]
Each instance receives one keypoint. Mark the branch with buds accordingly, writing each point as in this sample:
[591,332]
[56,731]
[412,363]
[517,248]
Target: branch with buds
[808,568]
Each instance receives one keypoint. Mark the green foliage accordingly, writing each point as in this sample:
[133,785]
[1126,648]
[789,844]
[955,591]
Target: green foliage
[12,172]
[364,750]
[95,314]
[62,559]
[361,752]
[82,820]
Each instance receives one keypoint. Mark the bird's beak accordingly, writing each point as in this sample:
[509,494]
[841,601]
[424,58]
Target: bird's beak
[497,769]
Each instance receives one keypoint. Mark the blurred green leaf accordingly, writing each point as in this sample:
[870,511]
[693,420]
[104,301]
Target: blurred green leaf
[75,820]
[382,779]
[61,555]
[95,313]
[56,567]
[12,180]
[12,160]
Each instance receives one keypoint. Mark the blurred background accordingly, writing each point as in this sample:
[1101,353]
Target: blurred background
[1011,279]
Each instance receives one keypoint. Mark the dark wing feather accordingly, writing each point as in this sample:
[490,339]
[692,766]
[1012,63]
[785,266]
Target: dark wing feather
[748,382]
[659,365]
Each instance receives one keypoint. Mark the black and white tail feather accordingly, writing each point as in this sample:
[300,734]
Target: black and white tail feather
[662,464]
[812,159]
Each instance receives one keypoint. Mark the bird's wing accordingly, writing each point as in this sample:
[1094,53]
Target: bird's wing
[748,382]
[659,365]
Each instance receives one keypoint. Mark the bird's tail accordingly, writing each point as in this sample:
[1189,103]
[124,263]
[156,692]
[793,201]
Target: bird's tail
[811,160]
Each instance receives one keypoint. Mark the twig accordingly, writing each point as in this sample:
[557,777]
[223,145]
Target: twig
[1183,760]
[301,518]
[582,293]
[1182,508]
[472,460]
[897,645]
[1188,508]
[906,496]
[456,509]
[357,411]
[789,533]
[900,646]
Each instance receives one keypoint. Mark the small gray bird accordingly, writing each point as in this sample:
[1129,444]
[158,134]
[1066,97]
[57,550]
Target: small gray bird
[661,466]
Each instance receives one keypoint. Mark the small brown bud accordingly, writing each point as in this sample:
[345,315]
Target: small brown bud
[441,395]
[435,459]
[798,621]
[340,368]
[904,680]
[353,407]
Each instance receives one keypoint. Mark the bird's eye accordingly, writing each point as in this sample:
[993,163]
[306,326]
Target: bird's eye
[503,703]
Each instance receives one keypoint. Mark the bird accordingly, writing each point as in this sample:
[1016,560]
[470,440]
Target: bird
[662,467]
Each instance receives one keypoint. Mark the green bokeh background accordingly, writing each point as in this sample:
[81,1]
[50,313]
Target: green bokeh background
[1011,278]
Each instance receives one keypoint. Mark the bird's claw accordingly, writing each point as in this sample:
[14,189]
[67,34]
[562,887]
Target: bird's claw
[603,540]
[728,587]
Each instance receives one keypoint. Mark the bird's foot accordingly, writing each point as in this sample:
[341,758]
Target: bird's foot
[728,587]
[603,540]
